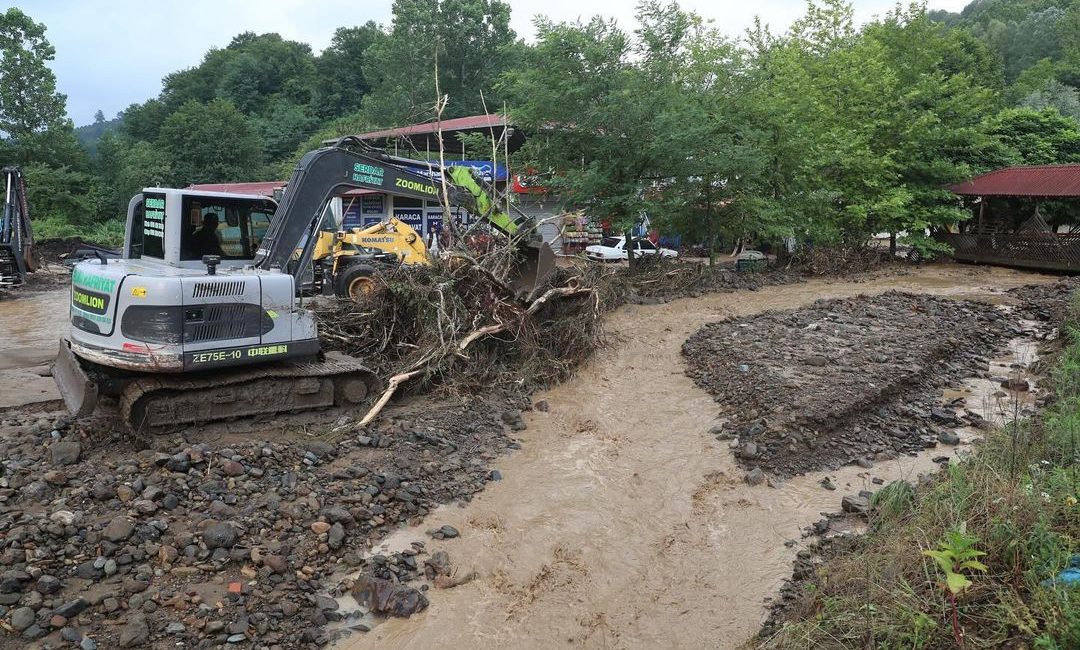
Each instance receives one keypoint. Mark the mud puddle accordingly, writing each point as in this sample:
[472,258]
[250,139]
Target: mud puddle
[621,523]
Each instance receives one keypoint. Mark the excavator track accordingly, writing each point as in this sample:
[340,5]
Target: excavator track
[159,404]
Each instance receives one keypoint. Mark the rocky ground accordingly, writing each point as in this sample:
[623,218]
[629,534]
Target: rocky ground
[239,543]
[843,381]
[837,533]
[1048,303]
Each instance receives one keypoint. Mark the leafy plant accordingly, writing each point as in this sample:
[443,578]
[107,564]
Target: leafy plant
[954,555]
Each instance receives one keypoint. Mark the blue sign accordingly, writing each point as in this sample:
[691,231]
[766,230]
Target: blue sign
[482,167]
[434,223]
[412,216]
[351,217]
[367,220]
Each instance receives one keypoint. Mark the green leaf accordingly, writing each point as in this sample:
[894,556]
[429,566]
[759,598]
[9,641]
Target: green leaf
[956,582]
[944,559]
[973,564]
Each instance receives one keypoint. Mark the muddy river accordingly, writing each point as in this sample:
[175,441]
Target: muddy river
[621,523]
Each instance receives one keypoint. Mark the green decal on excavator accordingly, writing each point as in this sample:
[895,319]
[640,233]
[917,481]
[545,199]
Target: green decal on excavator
[368,174]
[91,281]
[426,188]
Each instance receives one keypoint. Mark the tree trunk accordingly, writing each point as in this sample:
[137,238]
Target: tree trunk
[629,245]
[892,244]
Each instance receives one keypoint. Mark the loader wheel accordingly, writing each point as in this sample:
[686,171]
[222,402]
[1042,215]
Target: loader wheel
[356,283]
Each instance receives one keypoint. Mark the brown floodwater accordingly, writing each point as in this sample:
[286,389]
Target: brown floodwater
[622,523]
[31,326]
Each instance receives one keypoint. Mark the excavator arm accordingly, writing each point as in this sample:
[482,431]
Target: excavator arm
[326,172]
[320,175]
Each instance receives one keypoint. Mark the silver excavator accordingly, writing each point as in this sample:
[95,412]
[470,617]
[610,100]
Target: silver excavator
[180,337]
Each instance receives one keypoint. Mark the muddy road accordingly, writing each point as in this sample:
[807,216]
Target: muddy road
[621,523]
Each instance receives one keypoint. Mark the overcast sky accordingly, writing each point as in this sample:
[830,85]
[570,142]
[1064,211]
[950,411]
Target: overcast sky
[112,53]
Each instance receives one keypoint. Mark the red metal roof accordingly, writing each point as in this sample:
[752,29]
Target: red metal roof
[456,124]
[1042,181]
[263,188]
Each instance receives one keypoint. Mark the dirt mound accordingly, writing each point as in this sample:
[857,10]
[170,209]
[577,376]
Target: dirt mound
[842,380]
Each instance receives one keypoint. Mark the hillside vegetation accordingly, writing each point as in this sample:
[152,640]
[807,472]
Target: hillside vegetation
[825,132]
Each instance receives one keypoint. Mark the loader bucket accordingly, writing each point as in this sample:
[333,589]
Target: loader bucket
[80,393]
[533,271]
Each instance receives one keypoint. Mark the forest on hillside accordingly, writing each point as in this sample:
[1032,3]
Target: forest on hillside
[825,132]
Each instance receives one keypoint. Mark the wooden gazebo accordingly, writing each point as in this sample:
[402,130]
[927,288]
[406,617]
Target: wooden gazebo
[1009,228]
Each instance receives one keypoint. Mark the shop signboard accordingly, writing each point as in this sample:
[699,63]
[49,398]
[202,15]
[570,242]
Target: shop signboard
[412,216]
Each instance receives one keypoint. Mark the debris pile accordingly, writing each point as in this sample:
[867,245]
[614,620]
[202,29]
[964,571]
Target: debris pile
[456,326]
[843,381]
[1046,302]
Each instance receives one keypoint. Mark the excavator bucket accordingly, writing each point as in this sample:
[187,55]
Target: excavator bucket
[533,271]
[80,393]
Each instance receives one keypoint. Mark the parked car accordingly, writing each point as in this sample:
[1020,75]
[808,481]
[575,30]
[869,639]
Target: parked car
[613,249]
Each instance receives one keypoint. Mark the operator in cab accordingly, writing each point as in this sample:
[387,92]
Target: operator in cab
[205,240]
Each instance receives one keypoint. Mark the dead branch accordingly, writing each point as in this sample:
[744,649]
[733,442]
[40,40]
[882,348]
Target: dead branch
[391,388]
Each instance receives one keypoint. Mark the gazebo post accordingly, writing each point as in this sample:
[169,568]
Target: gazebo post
[982,209]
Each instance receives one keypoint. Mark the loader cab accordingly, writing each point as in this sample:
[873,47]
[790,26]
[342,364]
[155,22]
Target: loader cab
[177,227]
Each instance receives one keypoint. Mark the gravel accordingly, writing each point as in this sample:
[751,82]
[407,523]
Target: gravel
[843,380]
[128,548]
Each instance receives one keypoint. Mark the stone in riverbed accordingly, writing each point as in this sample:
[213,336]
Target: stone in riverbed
[755,477]
[22,618]
[136,632]
[387,598]
[220,534]
[65,452]
[336,536]
[119,529]
[855,504]
[1016,385]
[948,438]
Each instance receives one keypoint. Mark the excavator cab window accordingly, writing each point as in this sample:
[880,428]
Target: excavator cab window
[230,228]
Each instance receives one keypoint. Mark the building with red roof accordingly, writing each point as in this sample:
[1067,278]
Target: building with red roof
[1024,216]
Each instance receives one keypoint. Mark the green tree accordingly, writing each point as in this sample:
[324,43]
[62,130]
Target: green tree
[258,67]
[32,112]
[59,193]
[1056,95]
[143,121]
[591,109]
[473,43]
[1036,137]
[341,80]
[29,102]
[122,169]
[210,143]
